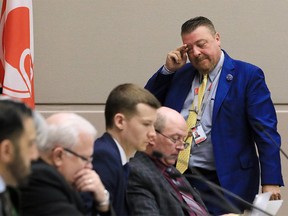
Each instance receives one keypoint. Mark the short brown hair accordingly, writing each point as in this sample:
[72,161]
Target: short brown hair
[124,98]
[193,23]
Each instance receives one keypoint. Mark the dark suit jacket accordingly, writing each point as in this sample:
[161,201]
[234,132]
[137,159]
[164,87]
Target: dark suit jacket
[9,199]
[240,103]
[149,193]
[107,163]
[48,193]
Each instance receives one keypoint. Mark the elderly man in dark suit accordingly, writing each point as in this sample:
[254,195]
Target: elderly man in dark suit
[63,170]
[154,187]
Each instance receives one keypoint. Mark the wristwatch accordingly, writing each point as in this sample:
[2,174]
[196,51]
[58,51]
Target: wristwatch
[106,201]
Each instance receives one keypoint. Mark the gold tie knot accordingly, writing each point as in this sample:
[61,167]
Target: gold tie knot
[204,79]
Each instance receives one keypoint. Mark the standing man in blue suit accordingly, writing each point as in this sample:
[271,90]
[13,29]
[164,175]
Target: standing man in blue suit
[236,100]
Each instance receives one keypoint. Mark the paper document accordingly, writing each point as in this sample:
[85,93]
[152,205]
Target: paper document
[270,206]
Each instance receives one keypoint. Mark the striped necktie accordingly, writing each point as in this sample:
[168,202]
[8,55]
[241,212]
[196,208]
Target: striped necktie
[192,206]
[183,157]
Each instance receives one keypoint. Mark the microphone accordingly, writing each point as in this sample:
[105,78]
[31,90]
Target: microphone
[216,189]
[261,128]
[174,174]
[158,155]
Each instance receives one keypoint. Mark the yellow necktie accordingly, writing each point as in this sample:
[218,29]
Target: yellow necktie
[183,157]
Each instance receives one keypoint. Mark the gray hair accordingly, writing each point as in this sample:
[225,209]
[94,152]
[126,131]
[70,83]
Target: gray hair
[41,129]
[160,122]
[65,131]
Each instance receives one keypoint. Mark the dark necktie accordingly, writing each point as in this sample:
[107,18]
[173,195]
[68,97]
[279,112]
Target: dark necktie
[126,169]
[185,192]
[7,208]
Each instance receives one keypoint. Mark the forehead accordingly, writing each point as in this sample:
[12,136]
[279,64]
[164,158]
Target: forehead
[200,33]
[176,127]
[86,142]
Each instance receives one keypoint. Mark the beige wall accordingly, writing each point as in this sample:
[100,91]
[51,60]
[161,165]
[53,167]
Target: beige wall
[282,114]
[84,48]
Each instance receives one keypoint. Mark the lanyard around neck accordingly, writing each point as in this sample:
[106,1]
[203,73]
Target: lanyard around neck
[207,92]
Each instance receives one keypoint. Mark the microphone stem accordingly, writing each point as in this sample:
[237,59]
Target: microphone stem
[228,204]
[231,194]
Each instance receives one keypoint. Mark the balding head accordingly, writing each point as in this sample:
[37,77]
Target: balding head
[171,130]
[69,146]
[64,129]
[167,117]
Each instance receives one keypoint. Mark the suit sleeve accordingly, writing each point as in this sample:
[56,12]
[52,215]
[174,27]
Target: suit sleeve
[141,201]
[47,195]
[159,85]
[261,110]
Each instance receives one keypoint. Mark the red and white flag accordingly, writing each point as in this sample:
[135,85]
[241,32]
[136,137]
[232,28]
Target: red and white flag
[17,50]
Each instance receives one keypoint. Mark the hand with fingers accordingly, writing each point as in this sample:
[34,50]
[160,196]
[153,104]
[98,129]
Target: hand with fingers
[176,58]
[87,180]
[274,189]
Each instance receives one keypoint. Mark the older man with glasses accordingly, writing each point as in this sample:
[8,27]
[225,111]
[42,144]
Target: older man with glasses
[155,186]
[64,169]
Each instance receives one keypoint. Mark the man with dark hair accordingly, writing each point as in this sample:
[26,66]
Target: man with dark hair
[223,100]
[130,113]
[17,149]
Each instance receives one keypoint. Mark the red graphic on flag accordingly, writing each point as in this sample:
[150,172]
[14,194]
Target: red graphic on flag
[16,50]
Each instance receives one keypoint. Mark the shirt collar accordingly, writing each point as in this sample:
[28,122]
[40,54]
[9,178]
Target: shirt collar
[2,185]
[217,69]
[124,159]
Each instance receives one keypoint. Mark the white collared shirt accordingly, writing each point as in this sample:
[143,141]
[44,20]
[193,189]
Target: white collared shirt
[2,185]
[124,159]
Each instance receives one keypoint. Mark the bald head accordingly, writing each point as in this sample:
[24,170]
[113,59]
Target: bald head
[167,117]
[171,130]
[64,129]
[57,118]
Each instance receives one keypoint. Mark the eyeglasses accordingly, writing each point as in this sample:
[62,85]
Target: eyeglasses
[85,159]
[175,141]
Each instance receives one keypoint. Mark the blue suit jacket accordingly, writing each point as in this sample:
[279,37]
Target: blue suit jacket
[107,163]
[240,103]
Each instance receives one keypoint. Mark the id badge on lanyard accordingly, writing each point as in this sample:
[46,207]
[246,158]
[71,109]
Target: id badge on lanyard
[197,131]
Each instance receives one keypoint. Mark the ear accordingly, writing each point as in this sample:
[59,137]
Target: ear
[6,151]
[57,156]
[217,38]
[119,121]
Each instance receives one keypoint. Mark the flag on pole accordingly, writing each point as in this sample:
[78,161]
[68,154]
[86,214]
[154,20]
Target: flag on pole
[17,50]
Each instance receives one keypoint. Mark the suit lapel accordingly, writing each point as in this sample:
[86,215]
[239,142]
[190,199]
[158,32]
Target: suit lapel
[224,84]
[154,171]
[167,185]
[180,89]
